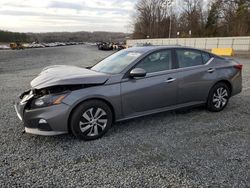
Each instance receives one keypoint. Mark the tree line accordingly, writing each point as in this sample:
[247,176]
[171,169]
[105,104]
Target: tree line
[7,36]
[191,18]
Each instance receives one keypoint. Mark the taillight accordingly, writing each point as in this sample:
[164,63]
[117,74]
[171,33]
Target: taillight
[239,66]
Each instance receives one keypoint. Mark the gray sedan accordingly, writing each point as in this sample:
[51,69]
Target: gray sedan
[128,84]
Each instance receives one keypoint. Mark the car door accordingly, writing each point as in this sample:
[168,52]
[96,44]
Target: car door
[156,90]
[195,75]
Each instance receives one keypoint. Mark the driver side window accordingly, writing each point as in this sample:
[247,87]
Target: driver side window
[157,61]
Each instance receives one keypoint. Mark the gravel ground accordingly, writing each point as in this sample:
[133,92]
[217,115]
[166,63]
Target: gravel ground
[191,148]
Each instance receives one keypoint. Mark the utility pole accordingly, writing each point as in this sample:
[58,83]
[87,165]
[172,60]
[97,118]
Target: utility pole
[168,3]
[170,22]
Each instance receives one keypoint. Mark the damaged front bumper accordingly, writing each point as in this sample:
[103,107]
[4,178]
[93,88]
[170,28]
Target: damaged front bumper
[46,121]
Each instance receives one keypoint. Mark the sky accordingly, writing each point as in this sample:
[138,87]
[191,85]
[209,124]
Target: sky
[66,15]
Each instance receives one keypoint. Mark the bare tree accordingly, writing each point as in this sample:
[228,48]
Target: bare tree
[192,18]
[217,18]
[149,19]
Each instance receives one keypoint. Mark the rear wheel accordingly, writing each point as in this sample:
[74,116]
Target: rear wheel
[218,97]
[91,120]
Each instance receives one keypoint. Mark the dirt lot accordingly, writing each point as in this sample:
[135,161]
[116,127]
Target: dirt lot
[190,148]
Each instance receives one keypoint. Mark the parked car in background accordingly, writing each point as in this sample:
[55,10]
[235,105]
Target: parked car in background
[4,46]
[105,46]
[119,46]
[142,44]
[16,46]
[128,84]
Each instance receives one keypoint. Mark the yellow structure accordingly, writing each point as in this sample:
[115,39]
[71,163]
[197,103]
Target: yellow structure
[16,46]
[223,51]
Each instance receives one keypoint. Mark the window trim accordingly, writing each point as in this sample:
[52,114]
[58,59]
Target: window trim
[203,52]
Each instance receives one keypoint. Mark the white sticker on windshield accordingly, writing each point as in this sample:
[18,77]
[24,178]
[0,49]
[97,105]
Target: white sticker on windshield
[134,54]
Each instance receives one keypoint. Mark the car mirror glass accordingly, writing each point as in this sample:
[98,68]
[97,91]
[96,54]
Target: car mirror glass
[138,72]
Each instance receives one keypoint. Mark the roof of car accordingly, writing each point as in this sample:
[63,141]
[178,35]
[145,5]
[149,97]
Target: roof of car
[146,49]
[152,48]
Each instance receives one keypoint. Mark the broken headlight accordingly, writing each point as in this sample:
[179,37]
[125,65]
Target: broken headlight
[48,100]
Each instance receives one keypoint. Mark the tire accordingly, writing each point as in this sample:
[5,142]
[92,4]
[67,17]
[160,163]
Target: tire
[218,97]
[91,120]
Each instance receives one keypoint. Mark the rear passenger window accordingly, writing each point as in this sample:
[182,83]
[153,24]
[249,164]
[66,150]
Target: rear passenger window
[189,58]
[206,57]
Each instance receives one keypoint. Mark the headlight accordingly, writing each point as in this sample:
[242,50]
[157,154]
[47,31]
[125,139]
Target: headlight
[39,102]
[48,100]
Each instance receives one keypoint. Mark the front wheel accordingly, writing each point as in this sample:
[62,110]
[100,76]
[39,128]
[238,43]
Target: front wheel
[218,97]
[91,120]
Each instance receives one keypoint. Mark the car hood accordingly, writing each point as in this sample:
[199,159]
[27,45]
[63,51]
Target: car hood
[67,75]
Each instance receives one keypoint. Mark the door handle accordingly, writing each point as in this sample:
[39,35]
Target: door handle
[170,80]
[210,70]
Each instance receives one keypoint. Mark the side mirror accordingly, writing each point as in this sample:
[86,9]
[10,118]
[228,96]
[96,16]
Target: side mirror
[138,72]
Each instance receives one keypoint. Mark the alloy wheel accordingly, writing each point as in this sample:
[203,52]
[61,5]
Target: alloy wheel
[93,121]
[220,97]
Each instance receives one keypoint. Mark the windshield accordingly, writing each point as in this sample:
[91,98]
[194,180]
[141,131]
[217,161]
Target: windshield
[117,62]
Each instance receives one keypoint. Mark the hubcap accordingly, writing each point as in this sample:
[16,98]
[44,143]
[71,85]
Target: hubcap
[220,97]
[93,121]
